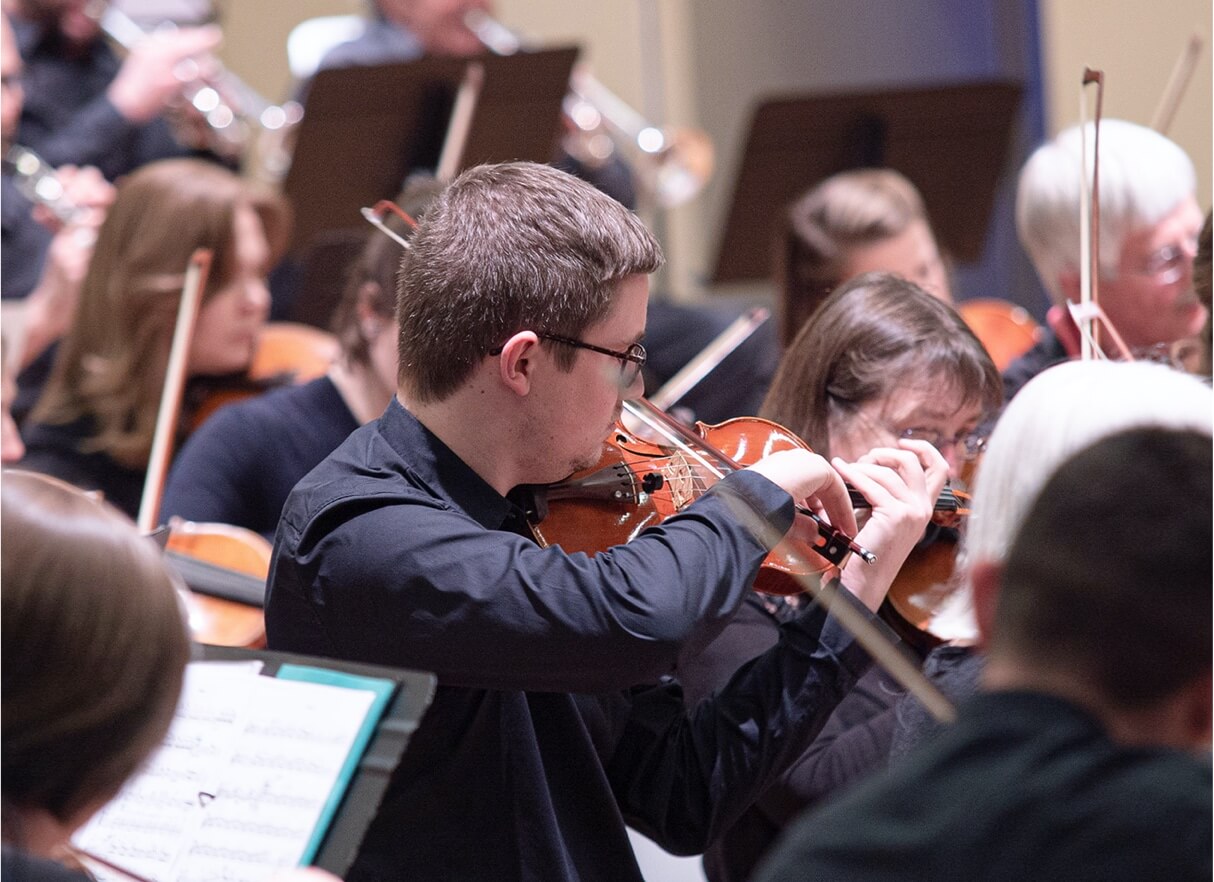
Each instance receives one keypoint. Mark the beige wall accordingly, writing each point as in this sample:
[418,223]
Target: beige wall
[1136,44]
[255,37]
[692,62]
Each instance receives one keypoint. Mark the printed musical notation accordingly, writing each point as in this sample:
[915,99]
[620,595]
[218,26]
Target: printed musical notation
[243,778]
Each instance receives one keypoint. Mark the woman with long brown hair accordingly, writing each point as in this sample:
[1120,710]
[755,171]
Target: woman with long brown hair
[94,421]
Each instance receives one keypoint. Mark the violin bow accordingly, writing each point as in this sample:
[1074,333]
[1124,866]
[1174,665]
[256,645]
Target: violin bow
[170,394]
[837,545]
[1182,73]
[708,358]
[1089,218]
[459,127]
[1089,318]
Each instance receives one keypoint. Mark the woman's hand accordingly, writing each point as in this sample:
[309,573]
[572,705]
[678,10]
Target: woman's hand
[902,485]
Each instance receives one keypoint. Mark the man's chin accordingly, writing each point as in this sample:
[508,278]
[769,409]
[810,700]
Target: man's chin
[590,460]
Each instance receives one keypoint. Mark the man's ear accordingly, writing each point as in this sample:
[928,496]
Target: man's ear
[985,579]
[516,364]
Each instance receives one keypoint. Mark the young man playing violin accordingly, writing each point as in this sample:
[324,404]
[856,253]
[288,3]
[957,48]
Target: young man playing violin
[521,307]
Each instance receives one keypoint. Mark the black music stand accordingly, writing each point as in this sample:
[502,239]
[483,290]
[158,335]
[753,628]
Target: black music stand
[950,141]
[365,129]
[413,694]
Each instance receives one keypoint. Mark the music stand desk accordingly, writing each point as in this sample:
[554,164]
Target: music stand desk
[951,141]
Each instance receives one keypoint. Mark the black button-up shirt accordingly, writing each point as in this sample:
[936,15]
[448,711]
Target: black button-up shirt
[539,745]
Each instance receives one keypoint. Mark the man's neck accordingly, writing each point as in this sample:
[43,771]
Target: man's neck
[1059,320]
[474,431]
[1176,722]
[360,389]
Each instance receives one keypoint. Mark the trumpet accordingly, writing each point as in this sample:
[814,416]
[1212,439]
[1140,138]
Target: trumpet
[38,182]
[672,163]
[235,114]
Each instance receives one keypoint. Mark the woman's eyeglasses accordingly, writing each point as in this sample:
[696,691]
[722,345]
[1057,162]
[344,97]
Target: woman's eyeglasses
[968,444]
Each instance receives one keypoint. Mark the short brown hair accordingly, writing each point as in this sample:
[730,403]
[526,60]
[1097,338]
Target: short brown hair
[94,646]
[510,247]
[844,211]
[1108,578]
[112,362]
[866,340]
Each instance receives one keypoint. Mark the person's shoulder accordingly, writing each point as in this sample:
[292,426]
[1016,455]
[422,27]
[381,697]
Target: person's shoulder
[20,866]
[1046,352]
[379,43]
[363,472]
[28,34]
[285,408]
[1145,814]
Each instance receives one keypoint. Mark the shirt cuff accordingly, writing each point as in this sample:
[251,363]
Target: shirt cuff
[748,494]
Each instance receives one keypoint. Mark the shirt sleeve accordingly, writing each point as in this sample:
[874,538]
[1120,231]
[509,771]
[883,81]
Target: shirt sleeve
[682,777]
[417,584]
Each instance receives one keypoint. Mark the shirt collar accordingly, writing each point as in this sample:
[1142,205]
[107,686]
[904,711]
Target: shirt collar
[446,475]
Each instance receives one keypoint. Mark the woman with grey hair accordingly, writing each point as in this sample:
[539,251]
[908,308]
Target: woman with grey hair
[1061,411]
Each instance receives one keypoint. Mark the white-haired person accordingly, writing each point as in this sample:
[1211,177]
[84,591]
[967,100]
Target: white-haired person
[1149,221]
[1086,754]
[1067,407]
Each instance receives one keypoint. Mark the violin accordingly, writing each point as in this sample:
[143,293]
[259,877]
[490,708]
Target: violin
[287,353]
[225,568]
[1006,330]
[926,581]
[638,483]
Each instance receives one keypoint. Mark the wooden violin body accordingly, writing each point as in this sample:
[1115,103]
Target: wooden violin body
[927,581]
[1005,330]
[226,568]
[638,484]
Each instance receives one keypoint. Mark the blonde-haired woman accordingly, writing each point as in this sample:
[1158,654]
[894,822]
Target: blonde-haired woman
[867,220]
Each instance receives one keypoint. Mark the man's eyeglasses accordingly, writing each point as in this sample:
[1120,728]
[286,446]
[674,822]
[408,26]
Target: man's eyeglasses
[969,445]
[1168,264]
[631,359]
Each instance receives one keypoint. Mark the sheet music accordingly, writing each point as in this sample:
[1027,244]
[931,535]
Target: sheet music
[236,790]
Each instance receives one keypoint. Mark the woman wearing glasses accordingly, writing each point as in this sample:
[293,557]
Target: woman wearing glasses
[881,367]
